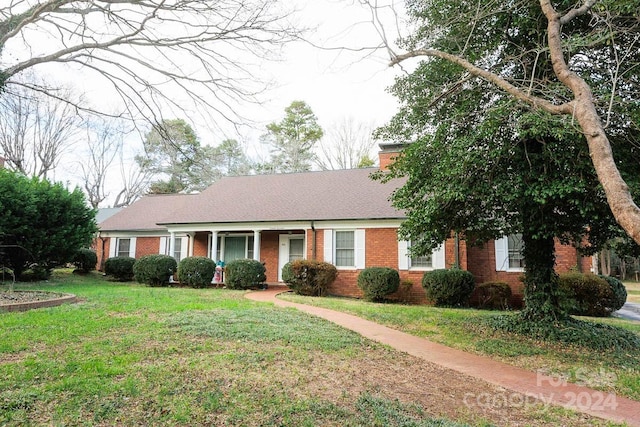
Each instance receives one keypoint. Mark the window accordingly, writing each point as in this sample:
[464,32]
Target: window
[509,253]
[515,247]
[123,247]
[431,261]
[345,249]
[425,261]
[230,247]
[177,249]
[296,249]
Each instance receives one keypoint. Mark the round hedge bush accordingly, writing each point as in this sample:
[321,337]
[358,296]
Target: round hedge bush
[587,294]
[448,287]
[378,282]
[85,260]
[619,292]
[309,277]
[244,274]
[196,271]
[492,295]
[154,270]
[120,267]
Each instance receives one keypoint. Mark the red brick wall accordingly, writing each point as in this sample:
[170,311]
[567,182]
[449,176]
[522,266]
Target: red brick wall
[201,244]
[386,158]
[147,246]
[269,241]
[101,245]
[381,247]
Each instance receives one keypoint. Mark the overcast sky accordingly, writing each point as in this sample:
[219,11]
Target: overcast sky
[337,80]
[336,83]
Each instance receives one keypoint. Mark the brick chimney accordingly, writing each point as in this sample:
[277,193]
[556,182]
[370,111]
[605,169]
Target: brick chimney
[388,153]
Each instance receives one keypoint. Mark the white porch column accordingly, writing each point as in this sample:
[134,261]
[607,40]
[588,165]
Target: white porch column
[172,244]
[256,245]
[214,244]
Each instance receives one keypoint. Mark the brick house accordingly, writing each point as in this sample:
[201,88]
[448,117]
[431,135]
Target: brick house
[342,217]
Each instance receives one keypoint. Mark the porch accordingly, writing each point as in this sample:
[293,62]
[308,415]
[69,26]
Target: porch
[273,248]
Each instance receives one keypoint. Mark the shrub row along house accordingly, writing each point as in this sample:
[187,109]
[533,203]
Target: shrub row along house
[342,217]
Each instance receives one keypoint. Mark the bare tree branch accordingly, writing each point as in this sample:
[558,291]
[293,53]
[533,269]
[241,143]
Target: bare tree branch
[149,51]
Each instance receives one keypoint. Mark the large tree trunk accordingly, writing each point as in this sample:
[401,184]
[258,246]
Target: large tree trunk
[541,296]
[624,209]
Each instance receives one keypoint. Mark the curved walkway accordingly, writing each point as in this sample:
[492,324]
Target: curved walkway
[547,389]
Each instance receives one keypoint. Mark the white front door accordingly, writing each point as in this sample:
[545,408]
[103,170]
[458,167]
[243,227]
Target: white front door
[291,249]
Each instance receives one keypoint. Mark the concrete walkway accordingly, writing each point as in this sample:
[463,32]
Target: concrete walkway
[546,389]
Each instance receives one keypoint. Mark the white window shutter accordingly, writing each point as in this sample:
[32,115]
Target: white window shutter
[132,248]
[360,249]
[184,247]
[502,254]
[403,255]
[113,242]
[328,246]
[437,257]
[163,246]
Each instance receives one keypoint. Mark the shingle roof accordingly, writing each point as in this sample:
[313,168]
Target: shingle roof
[146,213]
[325,195]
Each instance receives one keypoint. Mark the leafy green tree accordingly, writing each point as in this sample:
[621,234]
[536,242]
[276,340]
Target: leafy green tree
[42,223]
[232,160]
[173,151]
[576,60]
[485,165]
[292,140]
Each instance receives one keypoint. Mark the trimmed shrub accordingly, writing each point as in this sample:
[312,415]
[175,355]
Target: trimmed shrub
[244,274]
[85,260]
[448,287]
[154,270]
[196,271]
[35,273]
[492,295]
[309,277]
[378,282]
[619,292]
[120,267]
[587,294]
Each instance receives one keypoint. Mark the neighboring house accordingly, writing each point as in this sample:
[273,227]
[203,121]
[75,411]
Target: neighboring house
[342,217]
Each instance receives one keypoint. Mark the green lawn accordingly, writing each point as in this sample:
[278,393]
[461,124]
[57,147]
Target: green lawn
[633,291]
[615,371]
[134,355]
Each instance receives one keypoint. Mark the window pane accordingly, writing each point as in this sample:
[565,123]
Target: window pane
[250,247]
[425,261]
[177,250]
[345,245]
[123,247]
[234,248]
[516,260]
[296,249]
[422,261]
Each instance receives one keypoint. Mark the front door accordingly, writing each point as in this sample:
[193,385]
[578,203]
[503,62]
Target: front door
[291,249]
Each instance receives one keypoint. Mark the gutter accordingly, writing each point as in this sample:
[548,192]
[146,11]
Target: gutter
[313,241]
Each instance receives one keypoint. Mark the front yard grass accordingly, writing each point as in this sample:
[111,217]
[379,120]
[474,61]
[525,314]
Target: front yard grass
[612,371]
[134,355]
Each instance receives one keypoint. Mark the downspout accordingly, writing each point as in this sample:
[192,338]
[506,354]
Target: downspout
[456,250]
[313,241]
